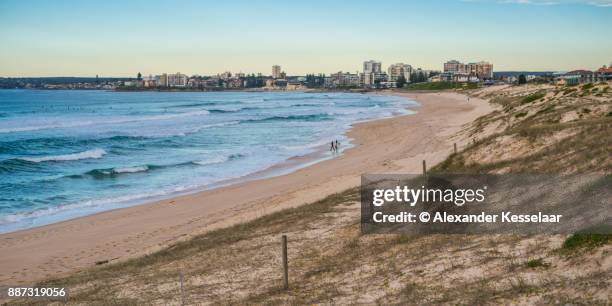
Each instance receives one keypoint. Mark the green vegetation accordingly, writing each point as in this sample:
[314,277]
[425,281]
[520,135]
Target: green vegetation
[521,114]
[585,241]
[587,86]
[107,281]
[581,122]
[537,263]
[532,97]
[401,81]
[313,81]
[418,77]
[441,86]
[586,125]
[522,79]
[569,91]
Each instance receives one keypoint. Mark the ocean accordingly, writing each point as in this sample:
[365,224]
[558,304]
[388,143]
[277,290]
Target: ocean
[65,154]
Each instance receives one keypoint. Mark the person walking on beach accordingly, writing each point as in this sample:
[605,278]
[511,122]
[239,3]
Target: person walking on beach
[332,148]
[337,145]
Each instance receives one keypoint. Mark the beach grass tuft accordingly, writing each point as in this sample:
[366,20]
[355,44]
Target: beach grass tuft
[537,263]
[585,241]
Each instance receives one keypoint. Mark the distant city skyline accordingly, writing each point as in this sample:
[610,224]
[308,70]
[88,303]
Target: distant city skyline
[120,39]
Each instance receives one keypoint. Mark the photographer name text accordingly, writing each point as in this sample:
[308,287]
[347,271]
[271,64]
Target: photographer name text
[443,217]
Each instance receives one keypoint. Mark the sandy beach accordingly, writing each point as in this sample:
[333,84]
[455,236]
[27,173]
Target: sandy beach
[383,146]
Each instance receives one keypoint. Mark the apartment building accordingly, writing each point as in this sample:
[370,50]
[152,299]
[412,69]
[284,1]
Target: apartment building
[276,72]
[399,69]
[482,70]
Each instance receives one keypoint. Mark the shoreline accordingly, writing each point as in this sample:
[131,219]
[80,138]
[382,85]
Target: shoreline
[283,168]
[254,89]
[70,211]
[129,232]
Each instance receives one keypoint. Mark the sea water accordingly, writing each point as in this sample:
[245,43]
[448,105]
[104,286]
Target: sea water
[65,154]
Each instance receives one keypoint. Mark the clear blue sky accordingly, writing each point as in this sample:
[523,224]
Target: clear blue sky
[121,38]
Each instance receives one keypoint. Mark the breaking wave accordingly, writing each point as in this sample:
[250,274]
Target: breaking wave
[90,154]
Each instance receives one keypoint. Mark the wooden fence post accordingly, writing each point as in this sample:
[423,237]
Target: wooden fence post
[285,264]
[182,294]
[424,168]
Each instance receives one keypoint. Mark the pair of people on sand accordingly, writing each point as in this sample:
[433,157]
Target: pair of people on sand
[334,146]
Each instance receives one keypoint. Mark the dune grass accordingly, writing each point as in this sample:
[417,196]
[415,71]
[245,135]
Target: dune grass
[581,126]
[102,284]
[533,97]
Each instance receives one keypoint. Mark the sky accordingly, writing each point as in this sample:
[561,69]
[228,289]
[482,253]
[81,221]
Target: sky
[121,38]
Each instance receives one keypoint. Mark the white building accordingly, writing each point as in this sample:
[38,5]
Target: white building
[276,72]
[372,73]
[372,67]
[177,80]
[162,80]
[373,79]
[342,79]
[399,69]
[482,70]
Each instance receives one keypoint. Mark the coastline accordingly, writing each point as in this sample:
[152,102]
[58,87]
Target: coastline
[292,155]
[387,145]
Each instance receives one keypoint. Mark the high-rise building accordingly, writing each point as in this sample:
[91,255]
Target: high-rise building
[162,80]
[482,70]
[343,79]
[276,72]
[454,67]
[373,79]
[372,73]
[399,69]
[177,80]
[371,67]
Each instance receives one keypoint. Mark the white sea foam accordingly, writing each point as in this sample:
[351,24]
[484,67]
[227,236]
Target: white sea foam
[44,127]
[180,131]
[131,169]
[120,120]
[52,214]
[305,148]
[90,154]
[161,117]
[213,160]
